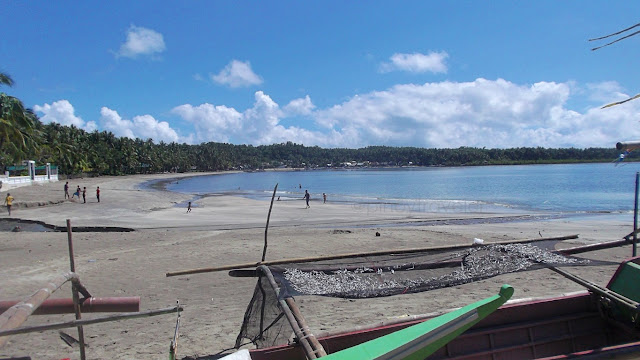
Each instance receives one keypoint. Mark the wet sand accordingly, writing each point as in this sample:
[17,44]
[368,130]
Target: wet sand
[224,230]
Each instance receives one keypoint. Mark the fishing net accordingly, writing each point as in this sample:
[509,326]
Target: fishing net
[387,275]
[264,322]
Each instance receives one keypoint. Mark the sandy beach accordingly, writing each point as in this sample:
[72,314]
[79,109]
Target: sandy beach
[224,230]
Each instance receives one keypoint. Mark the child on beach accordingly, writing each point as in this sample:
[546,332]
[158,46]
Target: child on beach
[189,207]
[8,201]
[77,193]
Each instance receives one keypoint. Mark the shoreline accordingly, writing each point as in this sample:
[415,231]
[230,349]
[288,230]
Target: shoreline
[224,230]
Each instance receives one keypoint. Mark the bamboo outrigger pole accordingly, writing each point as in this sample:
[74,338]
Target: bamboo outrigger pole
[345,256]
[628,145]
[18,314]
[81,322]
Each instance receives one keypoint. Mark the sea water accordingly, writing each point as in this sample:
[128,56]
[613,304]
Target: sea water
[557,188]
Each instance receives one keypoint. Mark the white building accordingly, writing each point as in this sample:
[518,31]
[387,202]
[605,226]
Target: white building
[9,182]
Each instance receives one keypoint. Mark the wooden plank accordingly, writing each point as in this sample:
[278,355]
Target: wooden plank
[346,256]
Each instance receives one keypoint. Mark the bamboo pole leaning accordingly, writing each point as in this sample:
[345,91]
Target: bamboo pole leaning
[307,347]
[266,228]
[18,314]
[306,332]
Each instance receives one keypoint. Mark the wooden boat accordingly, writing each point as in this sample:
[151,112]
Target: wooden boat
[597,323]
[423,339]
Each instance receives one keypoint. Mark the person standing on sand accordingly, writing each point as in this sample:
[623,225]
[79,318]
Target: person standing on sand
[77,193]
[189,207]
[98,193]
[324,198]
[306,197]
[8,201]
[66,191]
[84,195]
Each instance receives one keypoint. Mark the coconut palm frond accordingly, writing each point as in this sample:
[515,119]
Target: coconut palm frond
[5,79]
[615,33]
[615,41]
[621,102]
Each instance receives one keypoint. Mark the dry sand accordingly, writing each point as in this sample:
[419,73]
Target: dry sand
[223,230]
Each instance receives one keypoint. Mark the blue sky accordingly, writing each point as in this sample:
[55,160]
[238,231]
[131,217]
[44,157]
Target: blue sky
[492,74]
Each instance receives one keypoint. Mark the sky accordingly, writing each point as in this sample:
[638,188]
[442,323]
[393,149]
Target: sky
[334,74]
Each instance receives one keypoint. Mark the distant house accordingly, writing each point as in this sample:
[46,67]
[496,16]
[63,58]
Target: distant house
[27,174]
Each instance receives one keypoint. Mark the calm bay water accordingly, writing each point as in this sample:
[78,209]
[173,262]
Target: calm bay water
[564,188]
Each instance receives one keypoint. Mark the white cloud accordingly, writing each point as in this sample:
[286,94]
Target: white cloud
[212,123]
[237,74]
[302,106]
[142,41]
[605,92]
[481,113]
[257,125]
[63,113]
[419,63]
[143,126]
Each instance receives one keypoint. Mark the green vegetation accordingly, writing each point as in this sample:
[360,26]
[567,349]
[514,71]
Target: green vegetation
[18,134]
[75,151]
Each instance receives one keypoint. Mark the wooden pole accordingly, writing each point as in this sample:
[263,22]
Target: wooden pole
[447,263]
[635,217]
[306,346]
[74,293]
[317,347]
[592,247]
[266,228]
[610,294]
[346,256]
[88,305]
[97,320]
[628,145]
[173,347]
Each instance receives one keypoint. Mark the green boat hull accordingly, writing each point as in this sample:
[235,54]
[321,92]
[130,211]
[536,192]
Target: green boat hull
[421,340]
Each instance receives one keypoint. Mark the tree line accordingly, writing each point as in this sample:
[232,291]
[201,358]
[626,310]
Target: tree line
[75,151]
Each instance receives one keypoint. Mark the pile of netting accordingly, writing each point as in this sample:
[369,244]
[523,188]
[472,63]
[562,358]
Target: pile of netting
[386,275]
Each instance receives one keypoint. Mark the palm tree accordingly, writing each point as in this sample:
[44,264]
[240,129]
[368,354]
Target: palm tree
[622,37]
[5,79]
[18,134]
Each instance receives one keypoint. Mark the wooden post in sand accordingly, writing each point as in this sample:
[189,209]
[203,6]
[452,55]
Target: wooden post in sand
[74,292]
[264,251]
